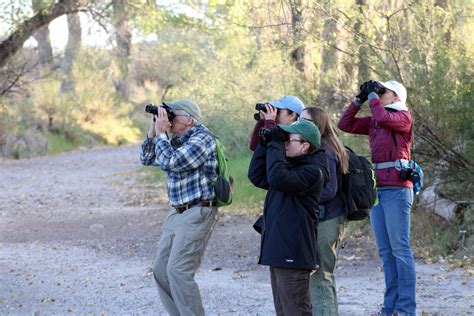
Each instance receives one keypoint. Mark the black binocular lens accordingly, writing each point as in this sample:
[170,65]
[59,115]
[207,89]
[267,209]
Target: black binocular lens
[259,107]
[153,109]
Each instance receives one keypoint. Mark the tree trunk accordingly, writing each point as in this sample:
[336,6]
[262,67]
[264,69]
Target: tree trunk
[329,56]
[72,48]
[45,51]
[300,56]
[363,71]
[15,41]
[123,38]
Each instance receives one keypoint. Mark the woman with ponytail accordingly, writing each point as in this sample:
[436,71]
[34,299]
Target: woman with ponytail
[331,214]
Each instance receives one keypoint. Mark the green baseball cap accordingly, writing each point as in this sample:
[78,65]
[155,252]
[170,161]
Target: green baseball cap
[187,106]
[305,128]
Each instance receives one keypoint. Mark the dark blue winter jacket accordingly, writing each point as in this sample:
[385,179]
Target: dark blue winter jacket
[331,203]
[289,219]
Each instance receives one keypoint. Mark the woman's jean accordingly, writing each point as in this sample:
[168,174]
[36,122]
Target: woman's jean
[390,220]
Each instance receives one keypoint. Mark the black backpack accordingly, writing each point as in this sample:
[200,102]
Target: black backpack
[358,187]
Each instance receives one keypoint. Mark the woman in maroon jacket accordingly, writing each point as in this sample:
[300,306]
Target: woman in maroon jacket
[390,134]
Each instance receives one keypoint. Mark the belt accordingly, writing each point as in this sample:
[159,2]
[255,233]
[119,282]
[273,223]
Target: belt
[182,208]
[390,164]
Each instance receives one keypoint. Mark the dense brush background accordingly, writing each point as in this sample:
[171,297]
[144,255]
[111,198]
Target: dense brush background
[229,55]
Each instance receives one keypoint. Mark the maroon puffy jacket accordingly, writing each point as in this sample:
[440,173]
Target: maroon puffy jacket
[382,147]
[254,138]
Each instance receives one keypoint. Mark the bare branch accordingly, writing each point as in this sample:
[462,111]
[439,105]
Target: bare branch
[15,41]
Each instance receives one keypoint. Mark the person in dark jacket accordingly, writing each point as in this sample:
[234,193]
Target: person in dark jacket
[283,111]
[286,166]
[390,133]
[332,219]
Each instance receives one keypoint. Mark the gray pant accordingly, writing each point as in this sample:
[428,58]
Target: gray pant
[322,281]
[290,288]
[183,240]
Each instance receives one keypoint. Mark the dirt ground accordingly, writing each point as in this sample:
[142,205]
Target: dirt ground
[78,235]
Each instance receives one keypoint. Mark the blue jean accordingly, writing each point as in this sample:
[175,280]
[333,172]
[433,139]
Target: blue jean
[390,220]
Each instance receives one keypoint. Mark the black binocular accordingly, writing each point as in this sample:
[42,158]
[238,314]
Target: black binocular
[372,86]
[407,173]
[153,109]
[259,107]
[273,133]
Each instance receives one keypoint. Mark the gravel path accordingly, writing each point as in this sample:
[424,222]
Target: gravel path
[78,235]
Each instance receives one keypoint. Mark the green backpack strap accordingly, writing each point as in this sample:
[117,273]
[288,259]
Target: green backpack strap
[223,183]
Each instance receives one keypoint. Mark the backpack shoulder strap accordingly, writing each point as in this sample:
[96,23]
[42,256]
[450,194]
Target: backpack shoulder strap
[207,132]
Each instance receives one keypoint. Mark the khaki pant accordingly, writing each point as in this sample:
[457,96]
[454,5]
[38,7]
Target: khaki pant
[183,240]
[322,281]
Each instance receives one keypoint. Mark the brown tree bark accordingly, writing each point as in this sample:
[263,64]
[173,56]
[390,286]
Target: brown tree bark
[15,41]
[300,55]
[363,73]
[329,56]
[72,48]
[45,51]
[123,38]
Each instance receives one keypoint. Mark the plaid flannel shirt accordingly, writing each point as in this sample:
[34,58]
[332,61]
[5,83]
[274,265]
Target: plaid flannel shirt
[190,167]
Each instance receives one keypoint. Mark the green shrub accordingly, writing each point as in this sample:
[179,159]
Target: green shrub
[58,143]
[247,198]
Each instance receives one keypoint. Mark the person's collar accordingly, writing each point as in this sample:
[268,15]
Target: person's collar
[398,106]
[300,157]
[190,131]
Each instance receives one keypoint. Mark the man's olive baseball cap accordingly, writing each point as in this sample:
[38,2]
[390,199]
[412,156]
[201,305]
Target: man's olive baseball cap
[305,128]
[187,106]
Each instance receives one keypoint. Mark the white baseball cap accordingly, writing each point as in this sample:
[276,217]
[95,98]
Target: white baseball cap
[396,87]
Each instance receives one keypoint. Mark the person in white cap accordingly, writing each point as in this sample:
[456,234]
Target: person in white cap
[390,133]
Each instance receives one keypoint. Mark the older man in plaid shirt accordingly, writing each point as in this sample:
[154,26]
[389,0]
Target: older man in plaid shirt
[190,160]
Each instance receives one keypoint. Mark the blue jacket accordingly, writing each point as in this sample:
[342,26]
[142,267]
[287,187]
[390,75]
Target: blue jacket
[289,217]
[332,204]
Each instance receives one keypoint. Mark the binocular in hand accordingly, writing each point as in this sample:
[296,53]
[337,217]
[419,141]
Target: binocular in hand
[259,107]
[153,109]
[372,86]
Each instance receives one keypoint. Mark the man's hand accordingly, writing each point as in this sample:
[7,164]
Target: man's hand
[271,113]
[151,130]
[161,122]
